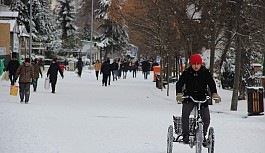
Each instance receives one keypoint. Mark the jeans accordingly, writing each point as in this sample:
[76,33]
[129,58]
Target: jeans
[24,91]
[145,75]
[35,84]
[114,74]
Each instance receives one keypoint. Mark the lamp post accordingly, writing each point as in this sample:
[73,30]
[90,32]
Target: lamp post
[91,34]
[30,33]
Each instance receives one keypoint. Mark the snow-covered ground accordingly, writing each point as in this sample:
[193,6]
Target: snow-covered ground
[130,116]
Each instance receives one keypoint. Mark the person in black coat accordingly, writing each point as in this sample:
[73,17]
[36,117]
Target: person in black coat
[124,68]
[12,67]
[53,72]
[106,71]
[145,68]
[114,69]
[79,67]
[196,80]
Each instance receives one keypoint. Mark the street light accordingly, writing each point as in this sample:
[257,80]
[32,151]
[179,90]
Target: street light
[91,35]
[30,33]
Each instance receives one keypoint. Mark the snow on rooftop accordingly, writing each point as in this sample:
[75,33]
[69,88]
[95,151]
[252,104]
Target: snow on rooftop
[8,14]
[256,65]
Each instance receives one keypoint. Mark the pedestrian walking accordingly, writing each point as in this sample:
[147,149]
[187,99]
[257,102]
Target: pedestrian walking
[53,73]
[37,72]
[25,72]
[12,67]
[134,69]
[119,68]
[105,70]
[97,67]
[124,69]
[114,69]
[79,66]
[145,68]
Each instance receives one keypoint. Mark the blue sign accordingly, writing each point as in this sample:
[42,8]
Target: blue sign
[2,51]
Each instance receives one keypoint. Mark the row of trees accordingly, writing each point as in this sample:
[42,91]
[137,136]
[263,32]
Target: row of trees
[110,35]
[183,27]
[169,28]
[54,28]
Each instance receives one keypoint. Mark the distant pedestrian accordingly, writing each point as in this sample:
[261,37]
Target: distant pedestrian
[124,69]
[105,70]
[114,69]
[37,70]
[145,68]
[137,65]
[97,67]
[12,67]
[79,66]
[119,68]
[134,69]
[53,73]
[25,72]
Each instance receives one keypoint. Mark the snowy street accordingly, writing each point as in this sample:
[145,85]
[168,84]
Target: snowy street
[129,116]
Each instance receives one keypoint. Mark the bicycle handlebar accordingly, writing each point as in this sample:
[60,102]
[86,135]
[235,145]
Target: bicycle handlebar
[197,101]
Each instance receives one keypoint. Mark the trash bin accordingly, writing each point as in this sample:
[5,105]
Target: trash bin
[156,69]
[157,80]
[255,101]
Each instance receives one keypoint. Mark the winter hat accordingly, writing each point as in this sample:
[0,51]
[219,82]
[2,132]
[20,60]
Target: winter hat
[54,59]
[14,55]
[27,60]
[195,58]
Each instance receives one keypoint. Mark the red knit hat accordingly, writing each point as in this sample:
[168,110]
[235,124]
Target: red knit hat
[195,58]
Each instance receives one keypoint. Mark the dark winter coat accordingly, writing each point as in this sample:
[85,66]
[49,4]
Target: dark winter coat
[106,68]
[53,72]
[114,66]
[12,66]
[124,66]
[37,70]
[145,66]
[79,65]
[196,83]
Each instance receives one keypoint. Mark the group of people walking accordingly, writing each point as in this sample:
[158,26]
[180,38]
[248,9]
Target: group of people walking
[117,69]
[28,73]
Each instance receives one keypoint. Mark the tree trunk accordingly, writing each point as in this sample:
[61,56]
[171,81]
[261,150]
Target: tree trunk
[210,102]
[234,101]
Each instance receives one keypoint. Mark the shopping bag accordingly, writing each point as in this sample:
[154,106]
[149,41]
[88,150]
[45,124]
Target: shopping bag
[13,90]
[47,83]
[5,76]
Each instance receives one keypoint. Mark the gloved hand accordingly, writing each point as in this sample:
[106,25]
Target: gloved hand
[216,97]
[179,98]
